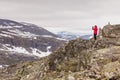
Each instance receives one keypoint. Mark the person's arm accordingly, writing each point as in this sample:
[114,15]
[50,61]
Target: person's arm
[92,28]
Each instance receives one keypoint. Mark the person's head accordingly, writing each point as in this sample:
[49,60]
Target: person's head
[95,25]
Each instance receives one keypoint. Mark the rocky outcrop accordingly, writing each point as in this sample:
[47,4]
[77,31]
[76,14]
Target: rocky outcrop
[76,60]
[111,31]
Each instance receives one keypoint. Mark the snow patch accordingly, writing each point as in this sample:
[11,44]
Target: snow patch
[22,50]
[17,26]
[47,36]
[62,39]
[90,37]
[34,37]
[2,66]
[12,23]
[17,32]
[5,27]
[5,35]
[48,48]
[41,53]
[18,49]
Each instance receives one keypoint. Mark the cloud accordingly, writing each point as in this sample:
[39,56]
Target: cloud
[73,15]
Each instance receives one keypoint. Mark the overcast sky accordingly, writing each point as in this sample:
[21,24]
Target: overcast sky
[62,15]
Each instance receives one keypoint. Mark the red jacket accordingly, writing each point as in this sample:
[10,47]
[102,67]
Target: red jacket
[95,29]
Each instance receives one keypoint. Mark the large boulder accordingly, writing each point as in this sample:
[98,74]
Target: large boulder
[111,31]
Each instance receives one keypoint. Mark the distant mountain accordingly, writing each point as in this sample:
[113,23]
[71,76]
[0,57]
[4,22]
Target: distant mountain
[87,37]
[67,35]
[21,41]
[71,36]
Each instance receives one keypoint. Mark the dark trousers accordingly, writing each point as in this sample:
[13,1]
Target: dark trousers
[95,36]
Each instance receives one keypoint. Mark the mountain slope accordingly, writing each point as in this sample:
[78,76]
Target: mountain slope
[23,27]
[25,41]
[77,60]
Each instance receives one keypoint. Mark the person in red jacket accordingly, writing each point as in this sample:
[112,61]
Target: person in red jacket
[95,30]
